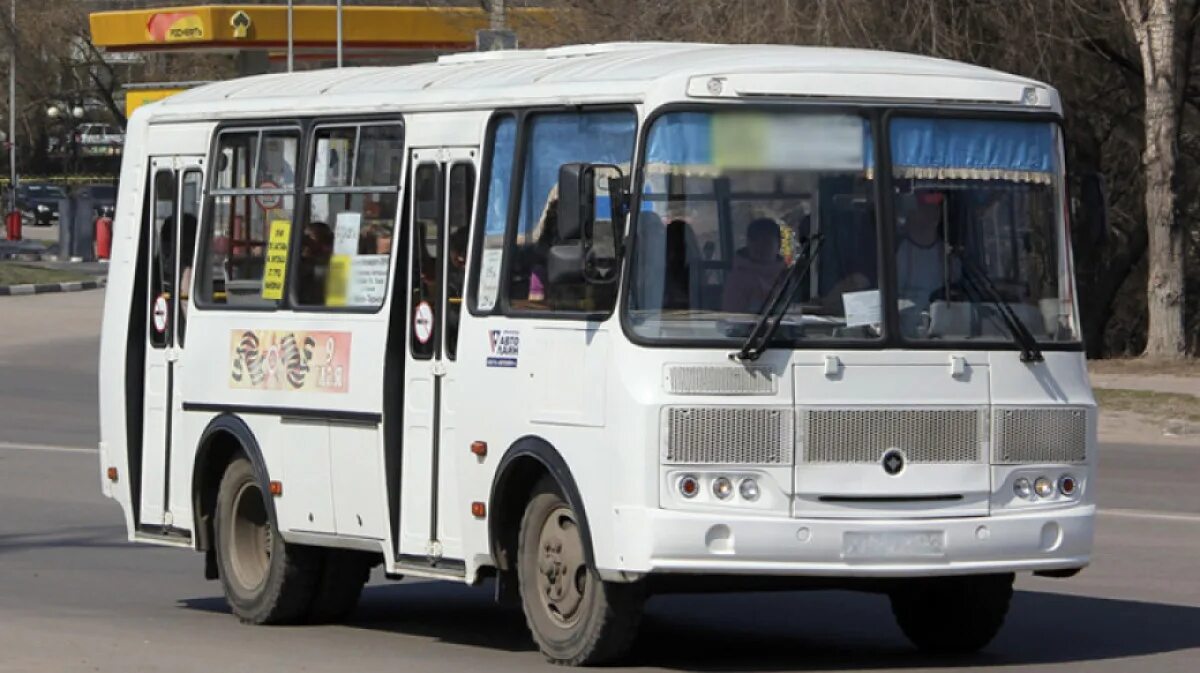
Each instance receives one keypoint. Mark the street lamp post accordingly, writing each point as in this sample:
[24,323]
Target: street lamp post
[339,33]
[12,108]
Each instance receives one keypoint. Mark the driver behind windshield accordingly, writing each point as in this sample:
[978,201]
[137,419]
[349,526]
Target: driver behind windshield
[921,254]
[755,268]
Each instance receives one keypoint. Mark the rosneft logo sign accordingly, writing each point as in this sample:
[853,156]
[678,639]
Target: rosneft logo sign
[175,27]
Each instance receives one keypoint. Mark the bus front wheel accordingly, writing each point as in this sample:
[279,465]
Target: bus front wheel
[575,617]
[952,615]
[266,580]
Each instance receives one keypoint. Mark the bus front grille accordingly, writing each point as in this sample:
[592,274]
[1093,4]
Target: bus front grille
[1040,436]
[926,435]
[728,435]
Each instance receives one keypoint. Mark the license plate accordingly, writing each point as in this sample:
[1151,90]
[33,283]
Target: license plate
[891,545]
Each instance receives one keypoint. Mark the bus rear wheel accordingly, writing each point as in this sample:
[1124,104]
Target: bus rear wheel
[952,615]
[266,580]
[576,618]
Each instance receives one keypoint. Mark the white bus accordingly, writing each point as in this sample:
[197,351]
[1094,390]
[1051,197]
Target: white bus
[600,321]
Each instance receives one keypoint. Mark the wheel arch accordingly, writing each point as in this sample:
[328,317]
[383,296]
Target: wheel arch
[525,462]
[223,438]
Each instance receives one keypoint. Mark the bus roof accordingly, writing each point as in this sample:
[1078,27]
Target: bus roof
[611,71]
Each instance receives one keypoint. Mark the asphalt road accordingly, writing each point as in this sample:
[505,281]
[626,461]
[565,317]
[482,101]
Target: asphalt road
[74,596]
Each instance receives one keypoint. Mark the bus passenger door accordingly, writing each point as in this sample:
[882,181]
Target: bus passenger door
[175,187]
[442,192]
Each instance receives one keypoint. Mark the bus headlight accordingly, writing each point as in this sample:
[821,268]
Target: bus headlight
[722,487]
[1023,489]
[749,489]
[1043,487]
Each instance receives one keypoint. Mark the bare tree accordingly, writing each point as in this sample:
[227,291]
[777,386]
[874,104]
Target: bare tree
[1155,26]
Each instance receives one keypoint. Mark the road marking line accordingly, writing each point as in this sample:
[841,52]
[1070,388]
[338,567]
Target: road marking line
[9,446]
[1149,514]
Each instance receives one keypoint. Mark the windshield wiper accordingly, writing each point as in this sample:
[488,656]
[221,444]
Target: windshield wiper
[778,300]
[986,288]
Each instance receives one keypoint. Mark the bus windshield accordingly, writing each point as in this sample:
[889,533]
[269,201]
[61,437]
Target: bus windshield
[730,197]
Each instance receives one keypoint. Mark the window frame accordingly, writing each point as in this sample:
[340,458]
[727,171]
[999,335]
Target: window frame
[313,126]
[522,116]
[204,233]
[469,213]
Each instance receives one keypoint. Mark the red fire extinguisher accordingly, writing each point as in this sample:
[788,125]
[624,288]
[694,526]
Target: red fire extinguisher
[103,237]
[12,225]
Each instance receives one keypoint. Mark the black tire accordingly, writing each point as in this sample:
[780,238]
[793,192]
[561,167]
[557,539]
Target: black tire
[952,615]
[575,618]
[266,580]
[343,574]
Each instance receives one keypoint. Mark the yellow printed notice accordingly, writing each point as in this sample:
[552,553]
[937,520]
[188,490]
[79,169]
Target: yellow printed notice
[277,255]
[337,283]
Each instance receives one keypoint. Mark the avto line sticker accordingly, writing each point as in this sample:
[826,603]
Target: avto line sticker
[423,322]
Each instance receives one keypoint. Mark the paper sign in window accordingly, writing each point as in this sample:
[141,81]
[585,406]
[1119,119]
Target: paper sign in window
[277,255]
[862,308]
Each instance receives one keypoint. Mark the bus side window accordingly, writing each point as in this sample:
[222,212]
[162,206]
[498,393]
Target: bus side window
[162,258]
[189,208]
[427,230]
[248,217]
[554,139]
[458,221]
[498,158]
[352,199]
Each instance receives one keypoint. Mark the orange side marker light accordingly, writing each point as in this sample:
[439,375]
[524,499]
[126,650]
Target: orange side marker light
[479,448]
[276,488]
[112,474]
[478,510]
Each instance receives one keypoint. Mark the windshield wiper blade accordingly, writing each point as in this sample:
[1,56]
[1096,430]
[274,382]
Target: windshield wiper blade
[985,287]
[778,300]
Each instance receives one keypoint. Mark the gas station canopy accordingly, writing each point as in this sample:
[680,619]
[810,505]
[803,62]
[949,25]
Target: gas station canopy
[376,30]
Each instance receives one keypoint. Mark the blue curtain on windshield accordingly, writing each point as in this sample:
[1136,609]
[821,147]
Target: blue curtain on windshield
[972,149]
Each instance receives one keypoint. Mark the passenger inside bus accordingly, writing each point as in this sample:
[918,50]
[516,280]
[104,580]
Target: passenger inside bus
[756,268]
[316,246]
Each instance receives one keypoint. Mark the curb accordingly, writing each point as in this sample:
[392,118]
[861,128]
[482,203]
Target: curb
[42,288]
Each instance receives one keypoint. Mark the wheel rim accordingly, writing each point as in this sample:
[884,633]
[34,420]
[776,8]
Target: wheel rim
[250,537]
[563,580]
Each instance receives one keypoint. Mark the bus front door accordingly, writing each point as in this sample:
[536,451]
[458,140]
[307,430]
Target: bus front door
[174,210]
[442,192]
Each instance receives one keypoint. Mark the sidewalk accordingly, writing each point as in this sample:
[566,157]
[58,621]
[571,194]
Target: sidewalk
[1151,405]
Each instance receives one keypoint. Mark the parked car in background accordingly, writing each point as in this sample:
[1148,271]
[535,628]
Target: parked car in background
[38,202]
[103,196]
[99,139]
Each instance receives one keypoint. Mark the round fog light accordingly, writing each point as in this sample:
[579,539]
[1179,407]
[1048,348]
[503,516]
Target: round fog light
[689,487]
[1067,485]
[722,487]
[749,489]
[1043,487]
[1023,488]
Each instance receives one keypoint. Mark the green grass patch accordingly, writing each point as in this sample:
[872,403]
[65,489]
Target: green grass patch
[1164,406]
[15,273]
[1185,367]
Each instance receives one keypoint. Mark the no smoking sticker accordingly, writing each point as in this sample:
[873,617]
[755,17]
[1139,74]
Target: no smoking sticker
[423,322]
[160,314]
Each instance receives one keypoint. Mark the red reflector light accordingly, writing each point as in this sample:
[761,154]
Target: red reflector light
[479,448]
[478,510]
[689,486]
[112,474]
[276,488]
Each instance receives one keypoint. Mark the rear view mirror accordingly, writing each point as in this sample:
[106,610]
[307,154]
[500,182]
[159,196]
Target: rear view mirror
[591,207]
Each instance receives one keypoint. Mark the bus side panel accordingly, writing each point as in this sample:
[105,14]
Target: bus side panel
[122,340]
